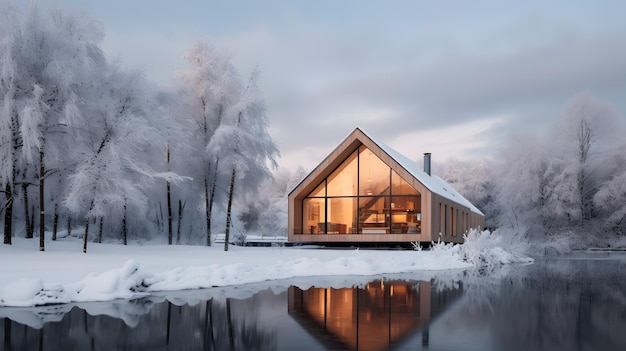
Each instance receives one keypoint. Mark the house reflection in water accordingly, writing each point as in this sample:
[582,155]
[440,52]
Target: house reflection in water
[376,317]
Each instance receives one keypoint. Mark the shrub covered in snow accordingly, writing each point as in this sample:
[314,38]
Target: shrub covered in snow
[486,248]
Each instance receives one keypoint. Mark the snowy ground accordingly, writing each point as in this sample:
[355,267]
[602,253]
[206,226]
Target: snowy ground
[64,274]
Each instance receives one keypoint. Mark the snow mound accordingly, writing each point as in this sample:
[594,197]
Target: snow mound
[32,292]
[124,283]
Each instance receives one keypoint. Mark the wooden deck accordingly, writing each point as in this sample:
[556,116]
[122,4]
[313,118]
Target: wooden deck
[256,240]
[359,238]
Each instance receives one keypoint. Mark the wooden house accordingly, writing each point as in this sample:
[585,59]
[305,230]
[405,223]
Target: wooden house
[366,192]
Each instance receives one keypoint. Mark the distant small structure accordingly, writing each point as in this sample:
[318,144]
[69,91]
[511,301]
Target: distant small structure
[255,240]
[366,192]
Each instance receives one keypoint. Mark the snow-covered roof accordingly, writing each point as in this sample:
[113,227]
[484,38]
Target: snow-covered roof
[431,182]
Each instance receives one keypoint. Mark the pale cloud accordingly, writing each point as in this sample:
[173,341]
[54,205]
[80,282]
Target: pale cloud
[465,140]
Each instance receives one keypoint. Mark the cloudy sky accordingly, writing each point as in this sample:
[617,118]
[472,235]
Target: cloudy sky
[455,78]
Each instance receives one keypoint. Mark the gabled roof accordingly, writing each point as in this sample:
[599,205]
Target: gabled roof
[433,183]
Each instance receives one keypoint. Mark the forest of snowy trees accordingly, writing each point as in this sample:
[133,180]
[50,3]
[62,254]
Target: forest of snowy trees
[91,148]
[568,183]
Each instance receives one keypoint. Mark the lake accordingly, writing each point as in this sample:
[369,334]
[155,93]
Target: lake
[575,302]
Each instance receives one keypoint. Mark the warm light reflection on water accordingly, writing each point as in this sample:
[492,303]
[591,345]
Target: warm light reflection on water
[374,317]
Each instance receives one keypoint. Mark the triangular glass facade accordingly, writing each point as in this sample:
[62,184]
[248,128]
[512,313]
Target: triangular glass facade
[362,196]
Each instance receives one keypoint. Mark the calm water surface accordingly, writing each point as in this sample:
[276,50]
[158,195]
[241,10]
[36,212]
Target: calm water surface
[565,303]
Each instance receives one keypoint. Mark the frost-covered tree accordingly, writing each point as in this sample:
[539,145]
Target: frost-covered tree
[573,150]
[10,141]
[473,180]
[561,200]
[590,127]
[112,138]
[68,59]
[67,106]
[243,143]
[10,93]
[209,89]
[520,187]
[46,62]
[100,135]
[266,212]
[610,199]
[567,180]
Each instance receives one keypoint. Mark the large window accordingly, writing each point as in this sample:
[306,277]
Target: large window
[362,196]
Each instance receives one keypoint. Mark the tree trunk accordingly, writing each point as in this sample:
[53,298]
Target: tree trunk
[229,209]
[586,137]
[32,220]
[27,225]
[14,145]
[180,220]
[100,230]
[207,210]
[69,225]
[42,217]
[124,228]
[86,234]
[213,186]
[55,223]
[8,215]
[169,214]
[169,202]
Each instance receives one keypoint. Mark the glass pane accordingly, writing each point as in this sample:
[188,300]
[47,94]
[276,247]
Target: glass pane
[314,216]
[342,215]
[373,174]
[320,191]
[400,186]
[406,214]
[343,181]
[373,215]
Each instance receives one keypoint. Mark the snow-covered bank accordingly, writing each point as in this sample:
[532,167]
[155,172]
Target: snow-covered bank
[130,311]
[63,274]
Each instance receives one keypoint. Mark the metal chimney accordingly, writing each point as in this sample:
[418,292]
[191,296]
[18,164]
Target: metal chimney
[427,162]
